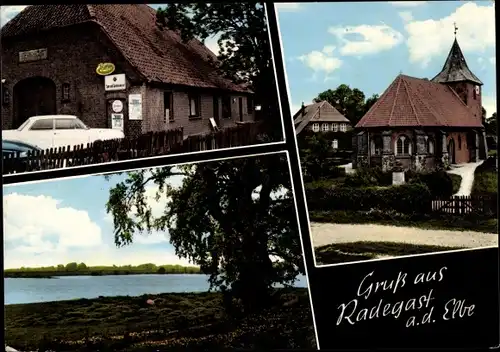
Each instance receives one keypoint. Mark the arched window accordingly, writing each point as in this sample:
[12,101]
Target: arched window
[403,146]
[376,146]
[459,142]
[430,146]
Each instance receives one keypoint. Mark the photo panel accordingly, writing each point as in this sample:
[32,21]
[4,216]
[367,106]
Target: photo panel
[394,109]
[200,255]
[97,84]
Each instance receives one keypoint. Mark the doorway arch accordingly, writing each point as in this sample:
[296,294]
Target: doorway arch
[33,96]
[451,151]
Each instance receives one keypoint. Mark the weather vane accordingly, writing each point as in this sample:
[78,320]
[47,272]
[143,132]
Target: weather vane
[456,28]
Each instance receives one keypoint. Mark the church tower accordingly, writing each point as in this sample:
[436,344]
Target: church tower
[457,75]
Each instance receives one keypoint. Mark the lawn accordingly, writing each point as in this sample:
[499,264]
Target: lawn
[175,321]
[444,222]
[486,178]
[358,251]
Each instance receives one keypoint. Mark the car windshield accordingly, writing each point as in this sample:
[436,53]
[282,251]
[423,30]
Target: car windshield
[80,125]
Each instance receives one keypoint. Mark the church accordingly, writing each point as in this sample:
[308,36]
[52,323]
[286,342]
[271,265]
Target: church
[52,57]
[421,124]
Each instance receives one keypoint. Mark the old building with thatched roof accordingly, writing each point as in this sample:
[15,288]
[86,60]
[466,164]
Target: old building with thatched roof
[50,54]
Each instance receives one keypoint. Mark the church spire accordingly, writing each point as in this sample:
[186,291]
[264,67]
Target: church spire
[455,68]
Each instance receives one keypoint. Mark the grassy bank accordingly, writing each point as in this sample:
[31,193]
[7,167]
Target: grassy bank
[444,222]
[486,179]
[365,250]
[175,321]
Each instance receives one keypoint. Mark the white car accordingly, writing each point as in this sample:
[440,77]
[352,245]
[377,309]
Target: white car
[54,131]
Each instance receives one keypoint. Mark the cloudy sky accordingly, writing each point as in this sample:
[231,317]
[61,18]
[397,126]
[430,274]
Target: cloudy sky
[57,222]
[367,44]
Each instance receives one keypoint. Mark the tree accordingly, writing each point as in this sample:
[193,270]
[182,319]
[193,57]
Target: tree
[60,267]
[81,267]
[245,50]
[71,267]
[218,221]
[314,151]
[350,102]
[161,270]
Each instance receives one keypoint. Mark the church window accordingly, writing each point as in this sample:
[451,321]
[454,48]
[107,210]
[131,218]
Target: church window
[376,146]
[403,146]
[335,127]
[324,127]
[315,127]
[430,146]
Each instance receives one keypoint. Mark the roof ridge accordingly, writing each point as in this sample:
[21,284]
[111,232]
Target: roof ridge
[399,79]
[410,99]
[431,109]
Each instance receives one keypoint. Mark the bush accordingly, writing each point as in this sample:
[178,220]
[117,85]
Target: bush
[439,183]
[410,198]
[369,177]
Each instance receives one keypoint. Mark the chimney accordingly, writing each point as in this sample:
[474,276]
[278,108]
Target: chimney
[303,109]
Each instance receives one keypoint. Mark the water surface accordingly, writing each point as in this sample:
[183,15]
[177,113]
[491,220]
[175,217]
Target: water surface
[30,290]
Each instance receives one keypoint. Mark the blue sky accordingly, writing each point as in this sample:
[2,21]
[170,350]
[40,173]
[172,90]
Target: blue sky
[59,221]
[367,44]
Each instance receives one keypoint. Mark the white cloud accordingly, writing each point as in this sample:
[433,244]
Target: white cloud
[287,6]
[489,104]
[407,3]
[34,219]
[39,225]
[9,12]
[375,38]
[430,38]
[407,16]
[328,49]
[319,61]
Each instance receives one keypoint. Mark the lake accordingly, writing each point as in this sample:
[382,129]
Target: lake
[19,291]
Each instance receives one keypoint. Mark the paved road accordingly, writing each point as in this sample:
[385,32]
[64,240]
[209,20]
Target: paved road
[327,233]
[466,171]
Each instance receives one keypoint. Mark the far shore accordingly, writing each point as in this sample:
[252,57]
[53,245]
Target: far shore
[35,275]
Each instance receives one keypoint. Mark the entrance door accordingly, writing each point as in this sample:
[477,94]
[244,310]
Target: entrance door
[240,103]
[451,151]
[216,110]
[34,96]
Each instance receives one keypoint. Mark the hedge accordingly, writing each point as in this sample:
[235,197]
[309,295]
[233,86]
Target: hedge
[412,198]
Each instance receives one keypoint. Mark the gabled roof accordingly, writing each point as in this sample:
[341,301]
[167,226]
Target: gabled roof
[414,102]
[159,55]
[455,68]
[317,112]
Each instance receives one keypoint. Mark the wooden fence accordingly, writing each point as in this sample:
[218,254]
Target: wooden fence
[461,205]
[147,145]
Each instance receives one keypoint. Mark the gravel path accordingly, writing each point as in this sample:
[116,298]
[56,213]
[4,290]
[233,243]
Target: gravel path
[326,233]
[466,171]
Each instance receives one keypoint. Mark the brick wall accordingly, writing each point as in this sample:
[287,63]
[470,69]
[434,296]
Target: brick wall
[73,55]
[465,91]
[154,113]
[462,153]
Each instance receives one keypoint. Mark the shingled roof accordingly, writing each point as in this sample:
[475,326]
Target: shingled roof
[159,55]
[317,112]
[455,68]
[414,102]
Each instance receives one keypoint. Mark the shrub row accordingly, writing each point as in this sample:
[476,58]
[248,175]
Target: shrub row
[411,198]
